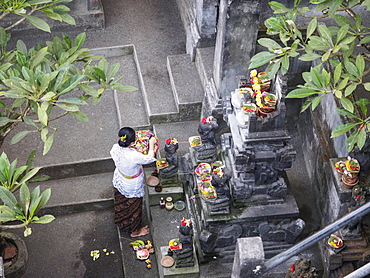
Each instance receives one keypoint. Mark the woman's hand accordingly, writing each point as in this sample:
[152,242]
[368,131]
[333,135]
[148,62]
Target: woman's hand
[152,141]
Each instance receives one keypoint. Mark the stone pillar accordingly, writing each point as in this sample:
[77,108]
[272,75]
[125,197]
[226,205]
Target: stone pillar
[199,18]
[248,255]
[206,12]
[93,5]
[237,32]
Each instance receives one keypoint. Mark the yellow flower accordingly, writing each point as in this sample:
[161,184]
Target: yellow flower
[95,254]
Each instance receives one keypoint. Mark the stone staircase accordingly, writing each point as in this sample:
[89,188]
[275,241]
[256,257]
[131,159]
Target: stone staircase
[83,186]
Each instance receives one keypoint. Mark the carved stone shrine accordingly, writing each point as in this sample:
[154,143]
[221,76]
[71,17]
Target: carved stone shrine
[252,197]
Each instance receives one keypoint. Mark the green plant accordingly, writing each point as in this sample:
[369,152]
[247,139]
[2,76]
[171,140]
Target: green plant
[29,204]
[57,74]
[24,10]
[339,48]
[37,86]
[9,174]
[12,179]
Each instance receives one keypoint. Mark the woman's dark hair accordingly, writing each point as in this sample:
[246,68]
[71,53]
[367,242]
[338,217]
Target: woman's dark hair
[128,136]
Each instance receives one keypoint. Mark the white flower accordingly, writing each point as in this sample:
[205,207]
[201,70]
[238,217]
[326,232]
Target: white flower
[291,23]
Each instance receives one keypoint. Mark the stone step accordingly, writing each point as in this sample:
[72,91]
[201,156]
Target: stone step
[173,272]
[215,269]
[86,193]
[187,90]
[342,271]
[129,105]
[119,110]
[355,251]
[177,193]
[204,63]
[131,265]
[356,243]
[273,249]
[179,130]
[66,244]
[87,14]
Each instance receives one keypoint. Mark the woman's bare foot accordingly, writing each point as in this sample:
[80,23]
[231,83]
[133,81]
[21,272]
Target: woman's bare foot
[143,231]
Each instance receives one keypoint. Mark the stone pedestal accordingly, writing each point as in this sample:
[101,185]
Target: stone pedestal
[168,182]
[249,255]
[339,197]
[175,191]
[173,272]
[355,243]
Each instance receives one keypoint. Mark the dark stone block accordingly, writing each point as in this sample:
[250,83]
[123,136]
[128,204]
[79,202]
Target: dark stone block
[207,241]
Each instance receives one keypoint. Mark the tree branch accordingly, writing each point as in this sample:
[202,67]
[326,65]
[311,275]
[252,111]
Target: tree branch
[4,14]
[21,20]
[16,226]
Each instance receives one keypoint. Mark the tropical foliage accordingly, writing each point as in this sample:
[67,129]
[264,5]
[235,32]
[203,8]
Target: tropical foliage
[336,40]
[25,10]
[12,179]
[37,86]
[58,74]
[25,210]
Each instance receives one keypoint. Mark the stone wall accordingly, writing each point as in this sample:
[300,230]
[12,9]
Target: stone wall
[318,148]
[199,18]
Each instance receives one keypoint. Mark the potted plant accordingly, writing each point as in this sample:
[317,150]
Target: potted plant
[16,213]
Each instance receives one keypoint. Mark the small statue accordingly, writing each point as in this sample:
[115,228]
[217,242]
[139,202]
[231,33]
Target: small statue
[172,159]
[301,268]
[220,179]
[184,257]
[207,150]
[353,229]
[243,82]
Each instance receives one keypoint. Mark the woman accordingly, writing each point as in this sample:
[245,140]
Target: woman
[128,181]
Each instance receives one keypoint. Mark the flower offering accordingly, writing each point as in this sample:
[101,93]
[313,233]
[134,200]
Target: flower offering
[142,141]
[195,141]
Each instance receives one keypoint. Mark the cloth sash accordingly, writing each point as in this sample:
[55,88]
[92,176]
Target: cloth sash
[134,176]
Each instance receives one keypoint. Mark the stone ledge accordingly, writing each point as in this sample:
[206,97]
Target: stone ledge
[176,192]
[173,272]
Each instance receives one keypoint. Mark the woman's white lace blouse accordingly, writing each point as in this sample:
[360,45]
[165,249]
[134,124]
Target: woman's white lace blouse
[128,161]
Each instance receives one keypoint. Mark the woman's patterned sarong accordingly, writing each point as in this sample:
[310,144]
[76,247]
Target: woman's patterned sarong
[128,212]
